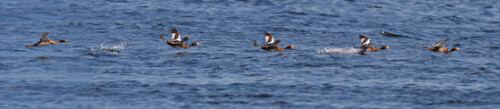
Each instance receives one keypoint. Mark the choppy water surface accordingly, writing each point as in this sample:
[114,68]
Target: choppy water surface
[226,71]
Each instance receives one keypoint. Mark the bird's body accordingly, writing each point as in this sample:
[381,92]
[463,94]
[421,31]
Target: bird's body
[271,44]
[439,47]
[45,40]
[366,46]
[176,40]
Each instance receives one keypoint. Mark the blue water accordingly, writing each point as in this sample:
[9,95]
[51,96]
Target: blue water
[227,71]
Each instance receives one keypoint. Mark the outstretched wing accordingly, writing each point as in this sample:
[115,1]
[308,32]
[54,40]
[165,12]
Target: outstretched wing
[275,44]
[175,35]
[269,38]
[364,40]
[440,44]
[44,37]
[366,46]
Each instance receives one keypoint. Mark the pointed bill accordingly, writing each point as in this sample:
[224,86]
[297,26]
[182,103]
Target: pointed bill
[44,37]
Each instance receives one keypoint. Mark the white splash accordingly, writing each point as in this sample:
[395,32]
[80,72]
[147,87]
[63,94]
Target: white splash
[346,50]
[120,46]
[110,48]
[92,49]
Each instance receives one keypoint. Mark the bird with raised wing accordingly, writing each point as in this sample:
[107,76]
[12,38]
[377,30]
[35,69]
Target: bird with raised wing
[45,40]
[439,47]
[366,46]
[176,40]
[271,44]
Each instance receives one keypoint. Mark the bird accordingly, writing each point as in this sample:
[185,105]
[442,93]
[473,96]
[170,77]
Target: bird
[439,47]
[176,40]
[44,40]
[271,44]
[366,46]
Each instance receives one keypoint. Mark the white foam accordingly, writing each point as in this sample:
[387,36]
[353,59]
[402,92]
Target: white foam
[346,50]
[92,49]
[120,46]
[110,48]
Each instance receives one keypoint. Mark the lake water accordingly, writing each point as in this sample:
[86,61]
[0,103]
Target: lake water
[227,71]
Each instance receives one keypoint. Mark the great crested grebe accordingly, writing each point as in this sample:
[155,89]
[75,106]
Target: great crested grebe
[176,40]
[439,47]
[44,40]
[272,45]
[366,46]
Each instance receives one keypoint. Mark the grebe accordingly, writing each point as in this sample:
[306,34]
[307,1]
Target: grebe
[366,46]
[272,45]
[44,40]
[176,40]
[439,47]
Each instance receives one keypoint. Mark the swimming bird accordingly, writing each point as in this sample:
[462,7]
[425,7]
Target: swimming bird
[44,40]
[176,40]
[366,46]
[272,45]
[439,47]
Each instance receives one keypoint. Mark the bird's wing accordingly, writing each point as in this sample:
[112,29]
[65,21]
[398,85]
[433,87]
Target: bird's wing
[44,37]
